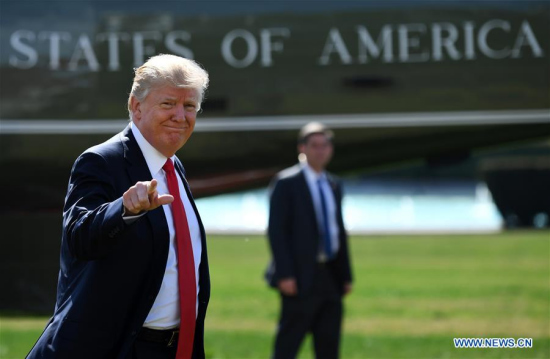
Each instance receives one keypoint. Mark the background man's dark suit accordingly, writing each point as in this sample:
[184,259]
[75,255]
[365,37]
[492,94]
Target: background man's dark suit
[294,239]
[111,272]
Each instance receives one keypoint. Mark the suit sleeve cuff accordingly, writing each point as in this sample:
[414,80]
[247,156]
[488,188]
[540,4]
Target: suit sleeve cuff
[131,219]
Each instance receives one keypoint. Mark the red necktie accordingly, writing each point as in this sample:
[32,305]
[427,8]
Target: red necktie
[186,267]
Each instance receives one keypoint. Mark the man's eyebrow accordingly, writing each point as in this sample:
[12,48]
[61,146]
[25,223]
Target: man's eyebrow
[171,98]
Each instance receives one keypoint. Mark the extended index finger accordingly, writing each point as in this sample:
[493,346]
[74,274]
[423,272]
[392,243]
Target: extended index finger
[151,186]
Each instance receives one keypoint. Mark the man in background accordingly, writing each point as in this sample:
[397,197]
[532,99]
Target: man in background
[134,280]
[310,260]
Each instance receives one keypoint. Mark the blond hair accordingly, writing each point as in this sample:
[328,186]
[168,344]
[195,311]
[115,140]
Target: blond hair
[171,70]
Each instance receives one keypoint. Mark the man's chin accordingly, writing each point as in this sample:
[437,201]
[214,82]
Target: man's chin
[176,141]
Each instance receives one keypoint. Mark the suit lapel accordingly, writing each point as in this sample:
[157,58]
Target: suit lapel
[334,187]
[306,196]
[137,167]
[138,171]
[336,191]
[181,171]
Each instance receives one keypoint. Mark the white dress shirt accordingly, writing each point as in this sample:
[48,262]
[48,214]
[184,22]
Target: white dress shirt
[165,313]
[311,179]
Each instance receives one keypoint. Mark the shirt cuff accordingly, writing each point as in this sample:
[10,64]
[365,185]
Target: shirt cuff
[131,219]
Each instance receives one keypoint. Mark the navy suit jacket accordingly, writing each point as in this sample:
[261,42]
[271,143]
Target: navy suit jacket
[111,272]
[294,233]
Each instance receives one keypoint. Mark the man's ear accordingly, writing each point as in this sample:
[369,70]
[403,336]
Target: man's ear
[135,107]
[301,148]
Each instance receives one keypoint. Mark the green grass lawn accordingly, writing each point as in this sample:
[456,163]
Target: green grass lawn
[412,295]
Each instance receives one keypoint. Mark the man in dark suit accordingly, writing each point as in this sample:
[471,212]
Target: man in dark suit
[134,279]
[311,266]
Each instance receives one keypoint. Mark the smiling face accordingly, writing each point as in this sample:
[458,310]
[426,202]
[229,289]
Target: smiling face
[166,118]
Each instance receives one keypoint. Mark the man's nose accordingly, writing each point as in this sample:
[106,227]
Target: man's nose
[179,114]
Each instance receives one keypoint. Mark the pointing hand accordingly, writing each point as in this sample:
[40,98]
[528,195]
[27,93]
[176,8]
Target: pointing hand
[143,196]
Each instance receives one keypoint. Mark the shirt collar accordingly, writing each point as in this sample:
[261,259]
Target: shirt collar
[310,174]
[155,160]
